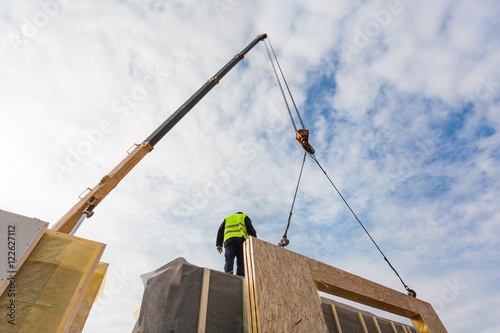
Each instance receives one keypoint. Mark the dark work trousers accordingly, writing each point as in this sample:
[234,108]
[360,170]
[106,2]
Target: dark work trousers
[233,247]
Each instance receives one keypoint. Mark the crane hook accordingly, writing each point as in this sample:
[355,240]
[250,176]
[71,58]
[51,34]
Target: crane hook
[411,292]
[302,137]
[284,241]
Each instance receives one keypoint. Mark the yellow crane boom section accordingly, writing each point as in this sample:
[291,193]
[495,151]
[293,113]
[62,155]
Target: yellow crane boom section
[70,222]
[102,189]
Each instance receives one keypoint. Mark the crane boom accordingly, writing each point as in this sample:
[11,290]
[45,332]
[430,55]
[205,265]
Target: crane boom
[70,222]
[197,96]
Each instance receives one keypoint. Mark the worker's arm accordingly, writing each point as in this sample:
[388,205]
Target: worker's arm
[220,234]
[250,230]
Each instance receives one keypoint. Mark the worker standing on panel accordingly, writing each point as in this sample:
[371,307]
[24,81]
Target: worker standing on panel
[233,232]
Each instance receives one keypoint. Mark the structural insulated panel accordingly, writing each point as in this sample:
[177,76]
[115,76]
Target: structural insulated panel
[282,287]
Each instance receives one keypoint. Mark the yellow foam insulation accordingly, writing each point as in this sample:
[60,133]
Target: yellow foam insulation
[93,293]
[50,286]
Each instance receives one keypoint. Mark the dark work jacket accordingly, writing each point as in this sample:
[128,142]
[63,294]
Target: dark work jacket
[248,225]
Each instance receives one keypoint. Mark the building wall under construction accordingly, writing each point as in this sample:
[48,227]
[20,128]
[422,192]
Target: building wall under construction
[181,297]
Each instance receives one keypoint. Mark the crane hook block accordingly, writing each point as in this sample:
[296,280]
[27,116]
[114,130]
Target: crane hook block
[302,137]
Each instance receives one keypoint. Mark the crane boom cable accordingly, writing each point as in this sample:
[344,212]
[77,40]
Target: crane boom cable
[286,84]
[284,241]
[410,291]
[281,87]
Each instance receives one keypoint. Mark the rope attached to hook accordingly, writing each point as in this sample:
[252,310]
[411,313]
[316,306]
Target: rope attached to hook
[284,241]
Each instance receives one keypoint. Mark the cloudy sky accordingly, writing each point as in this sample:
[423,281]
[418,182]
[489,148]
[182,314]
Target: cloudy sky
[402,99]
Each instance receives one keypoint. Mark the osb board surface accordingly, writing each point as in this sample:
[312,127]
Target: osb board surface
[355,288]
[284,286]
[340,283]
[286,296]
[428,320]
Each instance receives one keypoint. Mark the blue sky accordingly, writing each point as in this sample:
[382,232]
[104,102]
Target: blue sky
[402,100]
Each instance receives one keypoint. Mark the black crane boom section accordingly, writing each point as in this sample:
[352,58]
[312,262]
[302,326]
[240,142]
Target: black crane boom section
[168,124]
[72,220]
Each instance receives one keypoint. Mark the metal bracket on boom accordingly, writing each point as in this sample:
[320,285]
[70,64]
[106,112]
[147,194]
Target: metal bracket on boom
[262,37]
[84,208]
[88,210]
[215,80]
[302,137]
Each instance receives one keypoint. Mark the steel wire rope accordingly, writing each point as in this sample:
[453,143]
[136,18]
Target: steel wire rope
[284,241]
[410,291]
[281,87]
[286,84]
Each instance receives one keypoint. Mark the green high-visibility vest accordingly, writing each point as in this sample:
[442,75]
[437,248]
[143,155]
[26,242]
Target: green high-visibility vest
[235,227]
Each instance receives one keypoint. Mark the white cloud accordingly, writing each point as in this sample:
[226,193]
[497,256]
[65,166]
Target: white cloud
[406,125]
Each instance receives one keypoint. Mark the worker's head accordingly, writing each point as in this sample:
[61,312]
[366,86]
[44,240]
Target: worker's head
[239,213]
